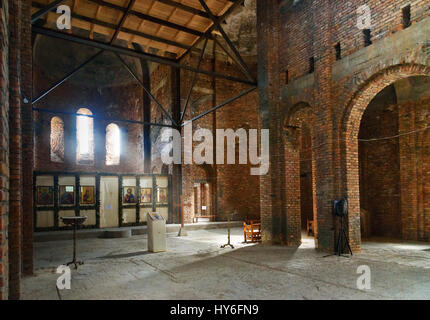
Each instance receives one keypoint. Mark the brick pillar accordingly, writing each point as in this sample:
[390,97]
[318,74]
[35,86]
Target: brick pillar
[27,137]
[273,219]
[146,113]
[15,155]
[4,147]
[325,179]
[175,84]
[292,192]
[198,199]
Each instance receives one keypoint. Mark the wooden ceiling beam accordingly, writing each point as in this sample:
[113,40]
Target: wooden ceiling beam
[185,8]
[150,18]
[124,30]
[122,21]
[95,18]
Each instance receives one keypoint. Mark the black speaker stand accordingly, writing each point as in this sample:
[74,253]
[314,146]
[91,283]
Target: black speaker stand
[342,239]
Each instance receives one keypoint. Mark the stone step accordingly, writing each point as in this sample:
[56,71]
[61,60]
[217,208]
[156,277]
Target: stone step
[126,232]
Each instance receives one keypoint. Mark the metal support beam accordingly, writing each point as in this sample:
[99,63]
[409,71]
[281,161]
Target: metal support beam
[102,118]
[244,93]
[39,14]
[121,23]
[146,106]
[233,57]
[132,53]
[67,77]
[193,83]
[220,20]
[230,44]
[146,89]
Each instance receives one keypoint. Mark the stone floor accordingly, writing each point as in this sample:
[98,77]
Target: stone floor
[195,267]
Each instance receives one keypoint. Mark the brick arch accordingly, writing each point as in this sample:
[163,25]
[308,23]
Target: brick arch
[351,121]
[293,118]
[357,104]
[301,106]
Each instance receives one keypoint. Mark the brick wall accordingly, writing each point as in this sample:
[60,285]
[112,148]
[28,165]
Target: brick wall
[301,19]
[15,152]
[107,97]
[380,165]
[393,184]
[338,92]
[4,146]
[27,138]
[232,189]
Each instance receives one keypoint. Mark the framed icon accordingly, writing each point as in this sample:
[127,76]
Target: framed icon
[146,195]
[162,195]
[45,196]
[129,195]
[67,195]
[87,195]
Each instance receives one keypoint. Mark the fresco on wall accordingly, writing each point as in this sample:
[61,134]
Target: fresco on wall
[146,195]
[45,196]
[67,195]
[87,195]
[162,195]
[129,195]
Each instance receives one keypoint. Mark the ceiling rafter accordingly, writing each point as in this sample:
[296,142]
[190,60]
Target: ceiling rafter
[112,23]
[123,18]
[149,18]
[149,24]
[112,26]
[141,25]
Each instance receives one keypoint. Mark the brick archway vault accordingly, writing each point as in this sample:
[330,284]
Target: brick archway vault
[350,125]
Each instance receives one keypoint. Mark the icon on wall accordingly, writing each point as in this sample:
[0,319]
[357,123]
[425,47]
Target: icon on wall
[162,195]
[67,195]
[146,195]
[45,196]
[129,195]
[87,195]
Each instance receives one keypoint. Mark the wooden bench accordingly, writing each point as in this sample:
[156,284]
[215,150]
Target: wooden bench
[211,218]
[252,231]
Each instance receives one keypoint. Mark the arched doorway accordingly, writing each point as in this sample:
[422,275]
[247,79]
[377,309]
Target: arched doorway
[203,200]
[385,156]
[300,168]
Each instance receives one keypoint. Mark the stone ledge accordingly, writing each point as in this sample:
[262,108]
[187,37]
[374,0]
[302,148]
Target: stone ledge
[126,232]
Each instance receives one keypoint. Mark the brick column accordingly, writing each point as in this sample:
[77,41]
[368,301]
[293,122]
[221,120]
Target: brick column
[27,137]
[292,191]
[146,78]
[175,86]
[15,155]
[328,179]
[273,218]
[4,147]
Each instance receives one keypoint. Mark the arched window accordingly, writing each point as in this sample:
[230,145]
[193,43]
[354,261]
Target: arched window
[113,145]
[84,137]
[57,140]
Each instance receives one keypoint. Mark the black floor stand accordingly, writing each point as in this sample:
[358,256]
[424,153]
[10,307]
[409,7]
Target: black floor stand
[342,240]
[228,243]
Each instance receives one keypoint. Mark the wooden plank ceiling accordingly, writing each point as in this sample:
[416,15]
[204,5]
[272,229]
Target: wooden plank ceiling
[163,27]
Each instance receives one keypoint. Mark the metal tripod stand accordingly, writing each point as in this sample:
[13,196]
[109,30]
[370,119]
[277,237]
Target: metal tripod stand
[228,244]
[342,240]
